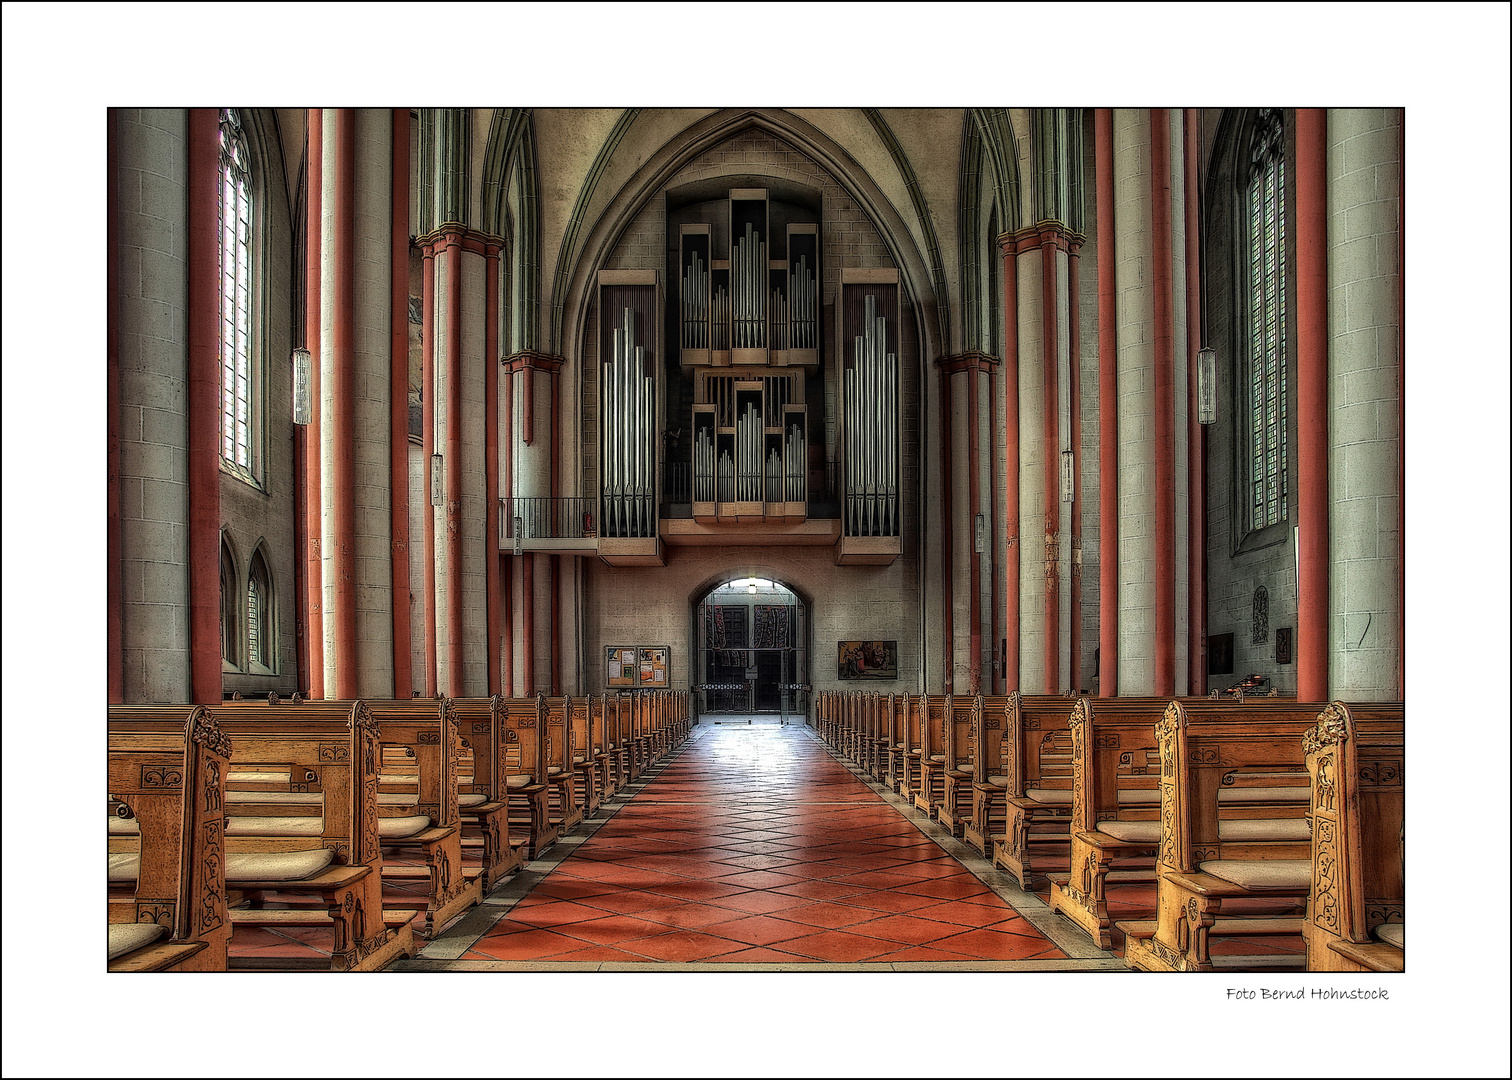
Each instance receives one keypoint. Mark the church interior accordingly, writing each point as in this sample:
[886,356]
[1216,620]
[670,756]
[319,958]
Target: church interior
[760,547]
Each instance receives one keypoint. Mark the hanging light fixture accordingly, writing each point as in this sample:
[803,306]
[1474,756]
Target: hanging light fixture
[301,360]
[1207,386]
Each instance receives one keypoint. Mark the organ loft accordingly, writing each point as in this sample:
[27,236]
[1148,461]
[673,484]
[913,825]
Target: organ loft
[756,539]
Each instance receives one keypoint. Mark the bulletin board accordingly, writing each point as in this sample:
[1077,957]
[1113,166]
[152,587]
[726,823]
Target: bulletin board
[642,667]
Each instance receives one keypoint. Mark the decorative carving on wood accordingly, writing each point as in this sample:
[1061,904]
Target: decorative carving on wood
[211,863]
[1378,912]
[428,738]
[162,777]
[1384,772]
[204,731]
[212,785]
[1325,891]
[1331,729]
[155,911]
[333,752]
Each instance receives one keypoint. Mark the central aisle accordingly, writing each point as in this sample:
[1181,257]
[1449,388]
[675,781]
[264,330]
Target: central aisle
[751,845]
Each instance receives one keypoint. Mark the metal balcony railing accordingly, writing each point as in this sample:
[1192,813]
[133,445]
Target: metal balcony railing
[547,519]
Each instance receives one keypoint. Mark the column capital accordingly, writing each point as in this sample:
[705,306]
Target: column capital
[1045,233]
[453,234]
[971,360]
[533,361]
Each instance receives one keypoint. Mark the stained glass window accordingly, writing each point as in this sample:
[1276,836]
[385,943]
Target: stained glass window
[235,294]
[1265,331]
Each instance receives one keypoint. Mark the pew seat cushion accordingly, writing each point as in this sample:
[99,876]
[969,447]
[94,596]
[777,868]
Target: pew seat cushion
[579,759]
[250,776]
[1131,832]
[397,828]
[123,868]
[1287,830]
[274,826]
[1262,794]
[471,799]
[1281,830]
[1053,796]
[520,780]
[1392,933]
[277,865]
[272,797]
[124,827]
[1262,873]
[129,937]
[1138,797]
[396,798]
[998,781]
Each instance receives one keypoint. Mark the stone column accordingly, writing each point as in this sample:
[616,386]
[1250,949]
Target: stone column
[356,342]
[1364,206]
[149,434]
[1149,259]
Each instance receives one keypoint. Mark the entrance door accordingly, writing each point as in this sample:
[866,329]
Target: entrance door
[750,648]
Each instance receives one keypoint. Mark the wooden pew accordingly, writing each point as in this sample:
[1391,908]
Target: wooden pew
[1248,751]
[561,775]
[1036,760]
[963,720]
[166,769]
[525,764]
[931,785]
[316,843]
[426,730]
[1355,913]
[1115,810]
[988,818]
[484,802]
[908,750]
[588,789]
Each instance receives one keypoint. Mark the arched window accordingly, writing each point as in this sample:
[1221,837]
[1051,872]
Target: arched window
[238,383]
[1264,327]
[230,611]
[260,654]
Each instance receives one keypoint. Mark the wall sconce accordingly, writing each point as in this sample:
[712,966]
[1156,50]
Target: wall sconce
[1068,476]
[435,479]
[301,361]
[1207,386]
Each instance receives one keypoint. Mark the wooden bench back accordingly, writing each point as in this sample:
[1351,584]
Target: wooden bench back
[427,728]
[1031,724]
[1205,742]
[166,767]
[482,729]
[1355,756]
[331,749]
[524,743]
[1110,742]
[962,720]
[988,725]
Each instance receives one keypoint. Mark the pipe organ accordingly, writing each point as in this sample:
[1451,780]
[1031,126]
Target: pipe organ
[870,432]
[749,308]
[628,411]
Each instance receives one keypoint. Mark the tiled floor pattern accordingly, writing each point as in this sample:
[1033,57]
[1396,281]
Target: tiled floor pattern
[752,845]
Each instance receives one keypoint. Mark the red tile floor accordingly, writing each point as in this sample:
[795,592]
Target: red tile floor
[752,845]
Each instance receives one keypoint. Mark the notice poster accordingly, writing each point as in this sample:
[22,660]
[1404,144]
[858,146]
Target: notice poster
[638,666]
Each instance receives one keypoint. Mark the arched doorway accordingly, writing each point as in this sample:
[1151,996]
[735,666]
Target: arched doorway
[751,655]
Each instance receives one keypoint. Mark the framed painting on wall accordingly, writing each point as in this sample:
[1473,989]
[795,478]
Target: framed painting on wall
[868,659]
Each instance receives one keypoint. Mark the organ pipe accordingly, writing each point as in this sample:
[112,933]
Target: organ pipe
[871,410]
[629,410]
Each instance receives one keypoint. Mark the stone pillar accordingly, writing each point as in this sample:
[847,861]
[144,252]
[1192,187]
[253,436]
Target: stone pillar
[968,480]
[1364,204]
[460,258]
[148,285]
[1150,314]
[356,416]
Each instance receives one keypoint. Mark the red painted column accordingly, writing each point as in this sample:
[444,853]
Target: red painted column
[453,463]
[556,560]
[491,466]
[1073,309]
[1051,468]
[1165,405]
[509,561]
[1107,410]
[344,402]
[204,406]
[996,683]
[506,574]
[1196,433]
[527,606]
[947,535]
[428,450]
[314,598]
[1012,550]
[115,659]
[399,506]
[975,505]
[1312,404]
